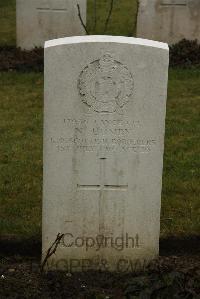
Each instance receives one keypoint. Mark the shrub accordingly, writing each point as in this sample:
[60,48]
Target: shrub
[185,53]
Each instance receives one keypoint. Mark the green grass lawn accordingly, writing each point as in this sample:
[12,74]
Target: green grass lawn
[20,153]
[21,108]
[181,179]
[122,22]
[7,22]
[123,19]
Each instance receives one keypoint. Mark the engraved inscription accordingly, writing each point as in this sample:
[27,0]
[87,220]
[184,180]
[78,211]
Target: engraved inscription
[102,126]
[104,144]
[106,85]
[107,135]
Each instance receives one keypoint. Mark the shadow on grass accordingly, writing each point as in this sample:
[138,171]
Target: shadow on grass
[10,246]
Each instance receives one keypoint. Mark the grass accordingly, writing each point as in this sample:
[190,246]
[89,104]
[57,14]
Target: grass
[21,153]
[7,22]
[122,22]
[123,19]
[181,188]
[21,109]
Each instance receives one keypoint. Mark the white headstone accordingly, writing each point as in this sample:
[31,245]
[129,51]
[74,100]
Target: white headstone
[42,20]
[169,20]
[105,100]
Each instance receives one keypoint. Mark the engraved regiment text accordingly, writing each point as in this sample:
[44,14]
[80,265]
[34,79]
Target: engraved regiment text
[89,135]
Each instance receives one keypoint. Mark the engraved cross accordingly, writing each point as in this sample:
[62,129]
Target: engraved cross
[102,187]
[173,3]
[49,9]
[48,14]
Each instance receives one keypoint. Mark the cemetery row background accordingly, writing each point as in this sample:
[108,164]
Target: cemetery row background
[122,21]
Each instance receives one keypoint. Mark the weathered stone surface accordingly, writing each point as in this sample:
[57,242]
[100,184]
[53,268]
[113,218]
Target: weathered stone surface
[105,100]
[169,20]
[42,20]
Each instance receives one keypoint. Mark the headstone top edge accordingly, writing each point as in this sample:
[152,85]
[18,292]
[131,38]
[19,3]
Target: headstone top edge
[104,39]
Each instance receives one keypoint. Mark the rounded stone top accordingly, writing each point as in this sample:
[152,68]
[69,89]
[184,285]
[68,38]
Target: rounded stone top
[105,39]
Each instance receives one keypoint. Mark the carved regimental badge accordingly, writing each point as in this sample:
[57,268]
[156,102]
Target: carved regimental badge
[106,85]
